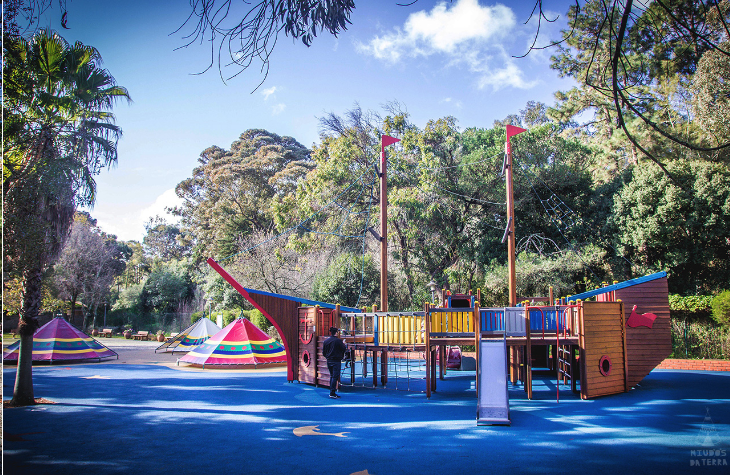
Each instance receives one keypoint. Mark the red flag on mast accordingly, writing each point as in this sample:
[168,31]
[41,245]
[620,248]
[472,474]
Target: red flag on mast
[388,140]
[512,130]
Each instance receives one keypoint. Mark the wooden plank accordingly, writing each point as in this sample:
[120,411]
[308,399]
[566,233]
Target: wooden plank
[608,382]
[608,335]
[608,347]
[603,313]
[639,335]
[613,387]
[649,353]
[642,340]
[604,381]
[594,353]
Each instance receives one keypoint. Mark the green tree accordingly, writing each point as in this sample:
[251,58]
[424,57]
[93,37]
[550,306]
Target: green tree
[350,280]
[167,288]
[127,308]
[681,230]
[711,100]
[450,214]
[259,27]
[633,64]
[59,132]
[137,266]
[232,193]
[446,212]
[536,273]
[88,265]
[164,241]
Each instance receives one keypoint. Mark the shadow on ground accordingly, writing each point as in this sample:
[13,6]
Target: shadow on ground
[115,418]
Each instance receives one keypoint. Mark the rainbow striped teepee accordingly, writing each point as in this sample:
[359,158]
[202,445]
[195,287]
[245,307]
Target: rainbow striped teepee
[239,343]
[58,340]
[191,337]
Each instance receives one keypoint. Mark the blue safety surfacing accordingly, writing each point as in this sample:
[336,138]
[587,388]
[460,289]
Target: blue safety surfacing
[118,419]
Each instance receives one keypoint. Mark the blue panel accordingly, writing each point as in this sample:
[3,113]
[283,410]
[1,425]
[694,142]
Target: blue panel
[305,301]
[542,316]
[620,285]
[491,320]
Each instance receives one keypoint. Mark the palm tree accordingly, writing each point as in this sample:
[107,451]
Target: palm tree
[59,133]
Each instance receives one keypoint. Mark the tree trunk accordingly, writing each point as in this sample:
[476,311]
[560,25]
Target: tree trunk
[23,390]
[72,305]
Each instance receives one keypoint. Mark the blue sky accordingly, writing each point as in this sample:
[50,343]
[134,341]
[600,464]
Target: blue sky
[437,59]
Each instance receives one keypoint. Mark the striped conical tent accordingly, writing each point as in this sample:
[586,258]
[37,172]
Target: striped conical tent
[191,337]
[240,343]
[58,340]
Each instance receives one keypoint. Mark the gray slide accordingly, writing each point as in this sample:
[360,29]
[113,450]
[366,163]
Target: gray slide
[493,401]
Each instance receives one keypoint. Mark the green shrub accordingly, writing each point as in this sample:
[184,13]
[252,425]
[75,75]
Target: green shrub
[692,307]
[258,319]
[721,308]
[229,316]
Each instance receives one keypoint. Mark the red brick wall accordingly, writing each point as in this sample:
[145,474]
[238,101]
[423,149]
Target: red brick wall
[697,365]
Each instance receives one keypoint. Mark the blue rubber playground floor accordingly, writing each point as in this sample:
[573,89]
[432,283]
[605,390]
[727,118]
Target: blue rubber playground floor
[119,418]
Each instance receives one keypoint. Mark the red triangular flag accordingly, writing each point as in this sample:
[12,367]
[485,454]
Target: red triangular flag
[388,140]
[513,130]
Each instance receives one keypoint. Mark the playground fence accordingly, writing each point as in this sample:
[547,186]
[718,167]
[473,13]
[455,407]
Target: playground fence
[703,340]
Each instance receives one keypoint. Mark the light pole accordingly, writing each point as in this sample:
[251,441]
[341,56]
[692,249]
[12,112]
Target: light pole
[105,314]
[433,286]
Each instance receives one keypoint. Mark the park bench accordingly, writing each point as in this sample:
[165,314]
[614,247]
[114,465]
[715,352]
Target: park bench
[105,333]
[14,332]
[172,336]
[141,335]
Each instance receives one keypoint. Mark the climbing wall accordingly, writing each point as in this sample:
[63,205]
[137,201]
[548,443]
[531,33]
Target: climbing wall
[602,349]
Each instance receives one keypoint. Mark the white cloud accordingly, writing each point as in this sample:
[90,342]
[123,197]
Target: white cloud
[268,92]
[127,223]
[465,34]
[509,75]
[278,109]
[445,29]
[167,199]
[449,100]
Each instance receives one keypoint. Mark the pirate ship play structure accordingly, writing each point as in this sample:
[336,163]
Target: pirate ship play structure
[604,346]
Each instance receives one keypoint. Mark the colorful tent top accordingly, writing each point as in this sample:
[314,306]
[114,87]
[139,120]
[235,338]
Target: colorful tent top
[239,343]
[58,340]
[191,337]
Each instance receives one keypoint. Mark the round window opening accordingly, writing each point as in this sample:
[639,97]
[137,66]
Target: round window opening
[605,365]
[305,358]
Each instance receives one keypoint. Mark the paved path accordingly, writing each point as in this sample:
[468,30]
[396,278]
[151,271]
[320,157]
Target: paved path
[122,417]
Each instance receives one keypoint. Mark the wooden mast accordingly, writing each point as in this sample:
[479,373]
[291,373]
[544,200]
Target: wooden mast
[385,140]
[510,231]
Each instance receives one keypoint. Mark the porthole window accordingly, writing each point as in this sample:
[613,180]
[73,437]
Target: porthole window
[604,365]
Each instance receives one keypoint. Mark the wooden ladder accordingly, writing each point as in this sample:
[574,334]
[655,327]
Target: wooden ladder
[567,365]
